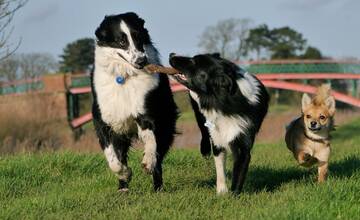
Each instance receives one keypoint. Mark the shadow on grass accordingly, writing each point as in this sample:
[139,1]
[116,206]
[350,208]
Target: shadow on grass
[263,178]
[269,179]
[346,132]
[346,167]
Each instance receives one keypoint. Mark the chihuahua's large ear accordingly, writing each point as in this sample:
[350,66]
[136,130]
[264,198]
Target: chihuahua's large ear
[330,103]
[305,101]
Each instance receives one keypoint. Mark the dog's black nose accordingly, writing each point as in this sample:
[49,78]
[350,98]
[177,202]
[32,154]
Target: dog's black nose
[141,61]
[313,124]
[172,54]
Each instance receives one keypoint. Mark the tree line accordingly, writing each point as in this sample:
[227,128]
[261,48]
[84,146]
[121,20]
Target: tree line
[237,39]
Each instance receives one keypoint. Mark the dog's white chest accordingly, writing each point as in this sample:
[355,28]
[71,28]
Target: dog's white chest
[120,103]
[222,129]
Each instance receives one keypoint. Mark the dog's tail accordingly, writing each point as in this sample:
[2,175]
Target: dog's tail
[323,92]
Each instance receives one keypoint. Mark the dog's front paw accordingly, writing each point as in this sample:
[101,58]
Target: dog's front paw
[221,189]
[307,157]
[148,163]
[123,186]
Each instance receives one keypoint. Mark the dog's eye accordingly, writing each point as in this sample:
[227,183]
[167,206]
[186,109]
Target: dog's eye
[122,42]
[308,116]
[322,117]
[202,75]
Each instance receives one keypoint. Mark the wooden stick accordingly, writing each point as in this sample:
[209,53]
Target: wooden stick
[152,68]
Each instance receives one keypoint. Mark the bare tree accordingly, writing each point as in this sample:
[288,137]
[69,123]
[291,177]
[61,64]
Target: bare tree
[7,12]
[226,37]
[36,64]
[27,66]
[9,68]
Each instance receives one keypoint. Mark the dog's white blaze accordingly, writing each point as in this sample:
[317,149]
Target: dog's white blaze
[225,128]
[220,162]
[249,87]
[131,54]
[120,103]
[148,137]
[114,163]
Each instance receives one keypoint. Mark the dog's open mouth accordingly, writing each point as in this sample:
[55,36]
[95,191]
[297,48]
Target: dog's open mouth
[125,60]
[314,129]
[122,57]
[180,77]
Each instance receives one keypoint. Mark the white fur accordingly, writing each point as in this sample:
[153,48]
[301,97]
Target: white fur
[225,128]
[114,163]
[220,161]
[149,159]
[249,87]
[120,170]
[119,104]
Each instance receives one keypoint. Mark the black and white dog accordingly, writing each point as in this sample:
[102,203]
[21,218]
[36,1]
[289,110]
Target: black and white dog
[129,102]
[229,104]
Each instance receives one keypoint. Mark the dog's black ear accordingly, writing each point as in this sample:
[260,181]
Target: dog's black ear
[216,55]
[224,83]
[101,33]
[133,16]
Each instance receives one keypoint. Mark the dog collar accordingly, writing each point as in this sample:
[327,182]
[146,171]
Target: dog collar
[320,140]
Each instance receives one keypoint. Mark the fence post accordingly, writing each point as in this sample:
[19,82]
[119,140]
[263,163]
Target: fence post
[354,88]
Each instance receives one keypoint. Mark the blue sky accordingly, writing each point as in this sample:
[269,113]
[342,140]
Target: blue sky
[48,25]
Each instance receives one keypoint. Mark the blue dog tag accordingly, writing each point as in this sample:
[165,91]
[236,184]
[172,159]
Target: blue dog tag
[120,80]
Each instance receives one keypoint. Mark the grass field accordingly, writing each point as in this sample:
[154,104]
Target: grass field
[80,186]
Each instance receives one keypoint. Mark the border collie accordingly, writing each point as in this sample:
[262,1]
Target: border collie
[230,105]
[129,102]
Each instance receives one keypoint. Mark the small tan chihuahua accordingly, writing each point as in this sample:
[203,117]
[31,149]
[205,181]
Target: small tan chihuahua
[308,136]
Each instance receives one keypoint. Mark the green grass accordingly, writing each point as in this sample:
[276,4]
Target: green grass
[80,186]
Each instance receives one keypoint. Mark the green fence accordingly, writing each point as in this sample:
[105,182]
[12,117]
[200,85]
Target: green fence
[21,88]
[303,68]
[80,81]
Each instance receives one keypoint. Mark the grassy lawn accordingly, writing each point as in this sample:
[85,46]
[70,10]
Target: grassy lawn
[80,186]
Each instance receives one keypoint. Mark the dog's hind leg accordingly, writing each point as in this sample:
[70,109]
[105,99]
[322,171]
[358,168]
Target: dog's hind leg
[205,145]
[241,154]
[220,160]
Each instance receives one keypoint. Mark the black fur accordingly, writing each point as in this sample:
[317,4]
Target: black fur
[213,79]
[160,109]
